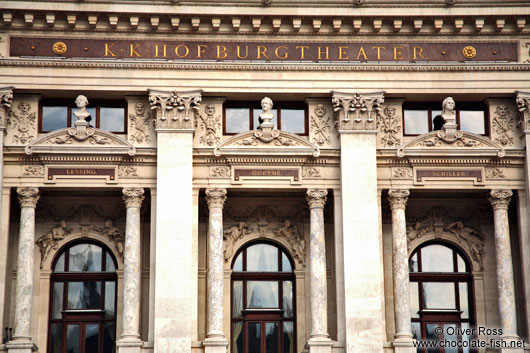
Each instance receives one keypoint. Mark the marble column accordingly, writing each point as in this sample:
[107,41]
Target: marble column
[215,338]
[21,343]
[319,340]
[403,337]
[500,200]
[130,341]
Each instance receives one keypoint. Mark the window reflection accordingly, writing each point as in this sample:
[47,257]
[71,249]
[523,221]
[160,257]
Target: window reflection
[85,258]
[262,257]
[262,294]
[416,122]
[437,258]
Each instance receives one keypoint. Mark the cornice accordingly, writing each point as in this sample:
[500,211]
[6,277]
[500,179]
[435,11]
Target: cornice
[204,66]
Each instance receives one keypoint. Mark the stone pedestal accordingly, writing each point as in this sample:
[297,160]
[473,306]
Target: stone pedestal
[403,342]
[21,343]
[215,341]
[319,340]
[130,341]
[500,200]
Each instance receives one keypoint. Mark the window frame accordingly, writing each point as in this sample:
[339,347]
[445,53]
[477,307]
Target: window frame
[82,317]
[94,103]
[251,105]
[430,106]
[272,314]
[440,315]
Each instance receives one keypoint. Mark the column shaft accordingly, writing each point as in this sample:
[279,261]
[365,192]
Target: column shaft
[133,198]
[215,274]
[28,198]
[505,284]
[317,265]
[398,200]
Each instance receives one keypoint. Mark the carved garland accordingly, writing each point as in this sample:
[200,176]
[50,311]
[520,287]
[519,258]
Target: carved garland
[503,126]
[390,128]
[23,123]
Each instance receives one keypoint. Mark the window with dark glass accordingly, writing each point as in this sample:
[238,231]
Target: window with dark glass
[440,295]
[244,116]
[108,115]
[83,301]
[263,310]
[420,118]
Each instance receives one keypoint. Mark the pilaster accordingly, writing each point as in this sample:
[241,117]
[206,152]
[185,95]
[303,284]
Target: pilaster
[4,246]
[174,276]
[356,116]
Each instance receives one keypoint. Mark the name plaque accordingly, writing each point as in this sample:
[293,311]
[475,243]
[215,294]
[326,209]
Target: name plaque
[267,173]
[450,174]
[265,51]
[83,172]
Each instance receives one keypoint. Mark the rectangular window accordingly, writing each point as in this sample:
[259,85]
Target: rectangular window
[107,115]
[420,118]
[244,116]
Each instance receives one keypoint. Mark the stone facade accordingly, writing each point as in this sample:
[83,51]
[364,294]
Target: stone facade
[178,164]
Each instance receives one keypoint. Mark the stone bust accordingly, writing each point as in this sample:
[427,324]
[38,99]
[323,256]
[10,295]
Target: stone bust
[448,110]
[266,116]
[81,113]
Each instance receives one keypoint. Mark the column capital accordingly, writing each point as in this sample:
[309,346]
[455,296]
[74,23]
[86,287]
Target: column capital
[398,198]
[133,197]
[6,101]
[522,100]
[500,199]
[28,196]
[175,110]
[316,198]
[357,111]
[215,197]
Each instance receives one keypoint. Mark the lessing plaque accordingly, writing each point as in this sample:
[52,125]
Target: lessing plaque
[81,172]
[265,51]
[267,173]
[450,174]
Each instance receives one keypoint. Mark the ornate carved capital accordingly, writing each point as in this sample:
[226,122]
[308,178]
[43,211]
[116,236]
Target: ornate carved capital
[6,101]
[175,110]
[357,111]
[398,198]
[500,199]
[133,197]
[215,197]
[28,196]
[316,198]
[523,105]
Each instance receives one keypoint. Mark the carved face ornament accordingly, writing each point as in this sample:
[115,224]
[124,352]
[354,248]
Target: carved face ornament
[139,108]
[390,111]
[320,110]
[502,110]
[24,107]
[210,109]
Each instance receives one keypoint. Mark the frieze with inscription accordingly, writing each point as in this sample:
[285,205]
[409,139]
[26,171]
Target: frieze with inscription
[264,51]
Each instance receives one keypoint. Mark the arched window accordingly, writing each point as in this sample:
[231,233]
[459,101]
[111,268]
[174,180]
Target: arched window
[83,300]
[440,294]
[263,307]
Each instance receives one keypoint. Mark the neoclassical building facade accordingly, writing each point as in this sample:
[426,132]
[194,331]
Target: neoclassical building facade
[262,176]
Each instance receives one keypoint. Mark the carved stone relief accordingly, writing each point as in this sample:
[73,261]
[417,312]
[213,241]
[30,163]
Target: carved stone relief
[357,111]
[494,173]
[22,123]
[220,172]
[50,241]
[523,106]
[141,123]
[6,102]
[127,171]
[34,170]
[438,225]
[209,124]
[389,127]
[266,222]
[402,173]
[311,172]
[502,126]
[321,125]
